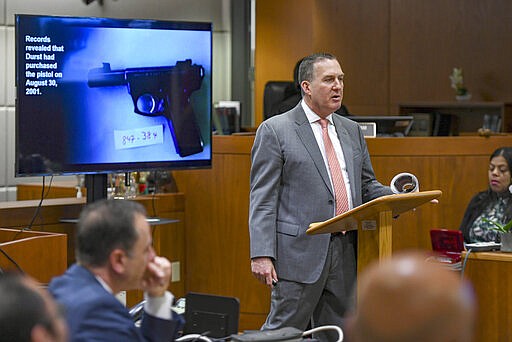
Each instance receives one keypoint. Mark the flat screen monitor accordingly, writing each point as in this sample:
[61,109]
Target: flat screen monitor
[211,315]
[388,126]
[101,95]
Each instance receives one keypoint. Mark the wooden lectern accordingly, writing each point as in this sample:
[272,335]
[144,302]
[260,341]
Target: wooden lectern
[373,220]
[41,255]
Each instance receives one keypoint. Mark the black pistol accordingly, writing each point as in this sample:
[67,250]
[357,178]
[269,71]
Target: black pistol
[164,91]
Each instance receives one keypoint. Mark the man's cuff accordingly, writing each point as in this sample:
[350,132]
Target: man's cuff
[159,307]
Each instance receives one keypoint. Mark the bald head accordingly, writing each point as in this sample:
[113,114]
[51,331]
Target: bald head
[408,299]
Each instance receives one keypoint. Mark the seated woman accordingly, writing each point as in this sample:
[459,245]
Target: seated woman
[494,204]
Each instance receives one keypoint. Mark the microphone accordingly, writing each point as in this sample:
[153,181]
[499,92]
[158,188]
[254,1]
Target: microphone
[404,183]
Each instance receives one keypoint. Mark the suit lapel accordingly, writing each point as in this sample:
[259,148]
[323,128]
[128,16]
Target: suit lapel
[307,137]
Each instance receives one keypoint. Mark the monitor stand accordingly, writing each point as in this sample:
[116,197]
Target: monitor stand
[96,185]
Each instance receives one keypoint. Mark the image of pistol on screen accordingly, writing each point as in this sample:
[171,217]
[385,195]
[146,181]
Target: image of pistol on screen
[163,90]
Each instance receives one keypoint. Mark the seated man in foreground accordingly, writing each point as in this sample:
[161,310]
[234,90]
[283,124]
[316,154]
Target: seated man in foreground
[114,252]
[27,312]
[407,299]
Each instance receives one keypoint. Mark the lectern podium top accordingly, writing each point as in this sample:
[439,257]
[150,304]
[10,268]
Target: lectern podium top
[395,204]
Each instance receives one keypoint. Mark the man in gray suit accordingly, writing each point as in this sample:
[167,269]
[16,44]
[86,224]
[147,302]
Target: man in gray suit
[311,277]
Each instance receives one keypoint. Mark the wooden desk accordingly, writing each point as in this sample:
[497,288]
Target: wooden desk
[32,191]
[40,255]
[491,276]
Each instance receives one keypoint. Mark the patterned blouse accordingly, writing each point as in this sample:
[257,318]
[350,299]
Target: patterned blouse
[479,231]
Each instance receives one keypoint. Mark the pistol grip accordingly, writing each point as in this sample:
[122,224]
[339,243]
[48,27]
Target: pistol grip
[185,130]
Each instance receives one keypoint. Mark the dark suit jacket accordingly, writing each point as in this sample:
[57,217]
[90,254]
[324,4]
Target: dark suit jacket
[290,189]
[94,314]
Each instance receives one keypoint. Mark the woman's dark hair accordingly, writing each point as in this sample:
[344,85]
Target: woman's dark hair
[489,196]
[505,152]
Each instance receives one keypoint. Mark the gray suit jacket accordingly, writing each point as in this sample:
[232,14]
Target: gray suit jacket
[290,189]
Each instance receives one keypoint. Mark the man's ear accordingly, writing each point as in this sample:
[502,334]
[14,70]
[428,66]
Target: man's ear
[40,334]
[305,87]
[118,259]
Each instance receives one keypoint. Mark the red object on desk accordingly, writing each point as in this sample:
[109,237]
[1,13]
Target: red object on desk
[448,244]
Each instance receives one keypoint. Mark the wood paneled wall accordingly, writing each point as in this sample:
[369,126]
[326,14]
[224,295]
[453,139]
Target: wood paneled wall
[217,235]
[392,51]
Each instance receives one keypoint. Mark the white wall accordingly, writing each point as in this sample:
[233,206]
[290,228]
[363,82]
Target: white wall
[215,11]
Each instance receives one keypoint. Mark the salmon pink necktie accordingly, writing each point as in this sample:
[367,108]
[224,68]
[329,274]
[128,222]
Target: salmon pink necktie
[340,191]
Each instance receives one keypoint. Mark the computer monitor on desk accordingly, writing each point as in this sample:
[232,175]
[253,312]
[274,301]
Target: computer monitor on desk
[387,126]
[211,315]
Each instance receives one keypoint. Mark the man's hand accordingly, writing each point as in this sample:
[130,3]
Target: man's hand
[263,269]
[156,279]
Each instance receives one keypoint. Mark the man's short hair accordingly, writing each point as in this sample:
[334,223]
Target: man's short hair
[307,66]
[104,226]
[21,308]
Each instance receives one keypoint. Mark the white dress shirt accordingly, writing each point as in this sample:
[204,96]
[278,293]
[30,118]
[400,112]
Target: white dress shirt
[317,131]
[159,307]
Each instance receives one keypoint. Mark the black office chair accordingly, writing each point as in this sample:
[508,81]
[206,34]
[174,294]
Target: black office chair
[275,92]
[281,96]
